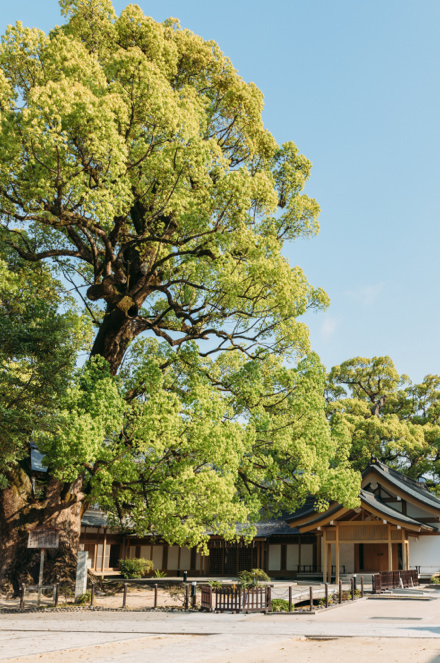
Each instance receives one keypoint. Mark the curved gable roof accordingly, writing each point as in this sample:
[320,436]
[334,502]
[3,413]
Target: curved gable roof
[412,490]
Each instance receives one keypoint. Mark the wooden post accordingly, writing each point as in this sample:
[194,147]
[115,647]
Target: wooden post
[326,595]
[362,587]
[155,596]
[95,554]
[268,598]
[23,589]
[299,552]
[329,562]
[337,555]
[318,549]
[186,597]
[290,598]
[124,597]
[40,576]
[92,595]
[352,589]
[404,557]
[56,594]
[324,561]
[311,598]
[390,550]
[104,546]
[407,554]
[340,591]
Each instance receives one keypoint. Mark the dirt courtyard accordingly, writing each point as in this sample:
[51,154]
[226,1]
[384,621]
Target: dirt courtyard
[299,649]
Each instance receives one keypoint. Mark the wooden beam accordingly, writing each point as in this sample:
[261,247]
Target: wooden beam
[397,491]
[324,520]
[394,520]
[404,551]
[104,545]
[337,554]
[390,550]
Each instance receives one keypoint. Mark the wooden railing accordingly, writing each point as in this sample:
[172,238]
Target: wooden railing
[206,597]
[394,579]
[235,599]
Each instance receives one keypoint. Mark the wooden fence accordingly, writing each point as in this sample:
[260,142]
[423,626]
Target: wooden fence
[235,599]
[394,579]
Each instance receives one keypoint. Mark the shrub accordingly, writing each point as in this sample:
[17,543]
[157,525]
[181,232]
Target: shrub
[135,568]
[279,605]
[215,584]
[159,574]
[84,598]
[435,580]
[252,578]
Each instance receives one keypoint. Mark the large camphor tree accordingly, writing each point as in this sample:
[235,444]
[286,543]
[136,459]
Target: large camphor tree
[134,160]
[387,416]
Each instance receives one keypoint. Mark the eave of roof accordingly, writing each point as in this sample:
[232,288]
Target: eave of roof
[412,491]
[320,519]
[369,500]
[370,503]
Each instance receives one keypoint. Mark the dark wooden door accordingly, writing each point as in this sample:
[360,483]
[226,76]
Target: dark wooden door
[372,557]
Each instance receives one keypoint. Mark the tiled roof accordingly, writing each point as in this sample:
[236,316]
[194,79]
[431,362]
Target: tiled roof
[388,511]
[406,484]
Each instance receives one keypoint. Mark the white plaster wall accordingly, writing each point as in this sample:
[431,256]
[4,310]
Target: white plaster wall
[173,557]
[292,556]
[185,559]
[306,553]
[346,556]
[146,552]
[424,551]
[157,556]
[417,512]
[274,557]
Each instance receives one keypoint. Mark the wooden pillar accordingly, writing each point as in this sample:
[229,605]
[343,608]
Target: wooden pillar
[104,544]
[407,554]
[337,554]
[324,557]
[329,562]
[404,551]
[390,550]
[95,554]
[299,552]
[317,552]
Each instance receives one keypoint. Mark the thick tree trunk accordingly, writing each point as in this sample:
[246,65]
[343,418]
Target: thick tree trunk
[21,511]
[114,336]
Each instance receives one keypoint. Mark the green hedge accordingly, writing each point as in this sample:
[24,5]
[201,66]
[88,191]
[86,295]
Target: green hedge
[135,568]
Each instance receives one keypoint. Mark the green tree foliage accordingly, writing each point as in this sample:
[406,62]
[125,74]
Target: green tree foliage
[387,415]
[134,154]
[134,157]
[38,350]
[180,445]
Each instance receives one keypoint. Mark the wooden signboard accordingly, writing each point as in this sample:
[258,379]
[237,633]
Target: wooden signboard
[44,538]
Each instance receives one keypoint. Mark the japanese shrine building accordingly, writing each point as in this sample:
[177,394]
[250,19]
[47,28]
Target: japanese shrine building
[396,525]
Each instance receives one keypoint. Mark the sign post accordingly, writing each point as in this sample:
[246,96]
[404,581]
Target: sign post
[81,573]
[43,538]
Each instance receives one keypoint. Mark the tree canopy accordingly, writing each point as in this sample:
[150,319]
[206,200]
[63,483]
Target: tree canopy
[133,159]
[38,350]
[387,415]
[134,155]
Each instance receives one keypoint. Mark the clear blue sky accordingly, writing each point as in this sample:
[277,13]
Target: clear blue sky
[355,86]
